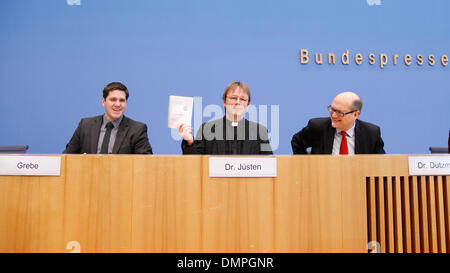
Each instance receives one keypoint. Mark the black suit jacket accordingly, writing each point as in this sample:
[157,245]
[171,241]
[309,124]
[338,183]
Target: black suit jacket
[131,137]
[319,135]
[255,141]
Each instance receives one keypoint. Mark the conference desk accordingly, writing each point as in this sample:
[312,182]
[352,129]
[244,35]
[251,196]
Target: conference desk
[137,203]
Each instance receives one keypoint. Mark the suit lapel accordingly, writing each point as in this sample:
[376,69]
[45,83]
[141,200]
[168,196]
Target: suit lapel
[358,147]
[121,133]
[329,139]
[95,129]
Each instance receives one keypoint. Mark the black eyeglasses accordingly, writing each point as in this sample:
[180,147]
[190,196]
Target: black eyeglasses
[339,113]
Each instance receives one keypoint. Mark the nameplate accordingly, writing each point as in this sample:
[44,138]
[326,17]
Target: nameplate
[30,165]
[242,167]
[429,165]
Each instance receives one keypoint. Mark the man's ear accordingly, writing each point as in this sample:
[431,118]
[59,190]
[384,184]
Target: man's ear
[103,102]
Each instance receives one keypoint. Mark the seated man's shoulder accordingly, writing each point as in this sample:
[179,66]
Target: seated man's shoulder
[133,122]
[319,122]
[367,125]
[89,120]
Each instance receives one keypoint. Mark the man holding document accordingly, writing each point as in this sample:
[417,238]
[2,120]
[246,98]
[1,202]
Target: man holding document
[232,134]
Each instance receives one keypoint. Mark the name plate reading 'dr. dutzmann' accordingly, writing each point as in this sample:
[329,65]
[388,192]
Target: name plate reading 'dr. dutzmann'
[242,167]
[30,165]
[429,165]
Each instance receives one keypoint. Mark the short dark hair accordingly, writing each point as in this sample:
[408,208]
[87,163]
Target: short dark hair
[115,86]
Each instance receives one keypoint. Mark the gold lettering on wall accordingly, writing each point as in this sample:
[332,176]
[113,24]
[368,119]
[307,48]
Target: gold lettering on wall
[318,60]
[371,58]
[345,57]
[331,58]
[358,59]
[431,59]
[384,59]
[444,60]
[395,59]
[419,59]
[407,59]
[304,59]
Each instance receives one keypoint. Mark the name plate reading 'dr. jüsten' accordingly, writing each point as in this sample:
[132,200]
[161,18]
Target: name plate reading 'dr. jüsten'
[30,165]
[242,167]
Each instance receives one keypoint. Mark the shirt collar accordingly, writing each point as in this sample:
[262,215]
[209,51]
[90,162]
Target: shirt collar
[350,132]
[115,123]
[233,123]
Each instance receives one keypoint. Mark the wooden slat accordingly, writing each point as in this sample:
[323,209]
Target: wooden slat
[440,214]
[371,210]
[416,214]
[446,196]
[381,225]
[407,233]
[389,208]
[423,210]
[431,204]
[397,194]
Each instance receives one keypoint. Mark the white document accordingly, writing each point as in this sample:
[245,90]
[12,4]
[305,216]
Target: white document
[180,110]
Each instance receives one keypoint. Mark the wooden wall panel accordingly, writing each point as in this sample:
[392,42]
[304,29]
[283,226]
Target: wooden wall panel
[31,213]
[167,204]
[134,203]
[409,213]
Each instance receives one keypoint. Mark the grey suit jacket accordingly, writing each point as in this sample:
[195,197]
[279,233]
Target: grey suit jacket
[131,137]
[319,135]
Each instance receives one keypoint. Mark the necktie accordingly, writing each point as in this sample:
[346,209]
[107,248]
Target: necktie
[105,144]
[344,148]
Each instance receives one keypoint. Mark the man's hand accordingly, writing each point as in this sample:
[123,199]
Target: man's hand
[185,131]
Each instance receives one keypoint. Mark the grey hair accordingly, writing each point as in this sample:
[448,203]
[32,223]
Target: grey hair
[357,104]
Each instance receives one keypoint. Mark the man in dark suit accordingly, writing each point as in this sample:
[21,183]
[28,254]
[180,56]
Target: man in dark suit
[341,133]
[112,132]
[232,134]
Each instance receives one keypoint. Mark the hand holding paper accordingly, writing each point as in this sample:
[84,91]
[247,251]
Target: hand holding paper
[185,131]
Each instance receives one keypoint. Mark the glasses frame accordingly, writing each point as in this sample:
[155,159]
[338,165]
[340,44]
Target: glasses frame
[237,99]
[339,113]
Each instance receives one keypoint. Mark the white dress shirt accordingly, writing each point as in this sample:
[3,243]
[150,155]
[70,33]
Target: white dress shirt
[350,141]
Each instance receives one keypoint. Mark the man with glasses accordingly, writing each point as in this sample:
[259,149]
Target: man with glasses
[232,134]
[341,133]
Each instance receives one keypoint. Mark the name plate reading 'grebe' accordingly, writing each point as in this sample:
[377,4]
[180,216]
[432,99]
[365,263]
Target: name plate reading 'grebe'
[242,167]
[30,165]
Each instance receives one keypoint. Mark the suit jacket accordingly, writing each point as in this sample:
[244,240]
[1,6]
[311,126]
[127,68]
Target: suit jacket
[212,138]
[131,137]
[319,134]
